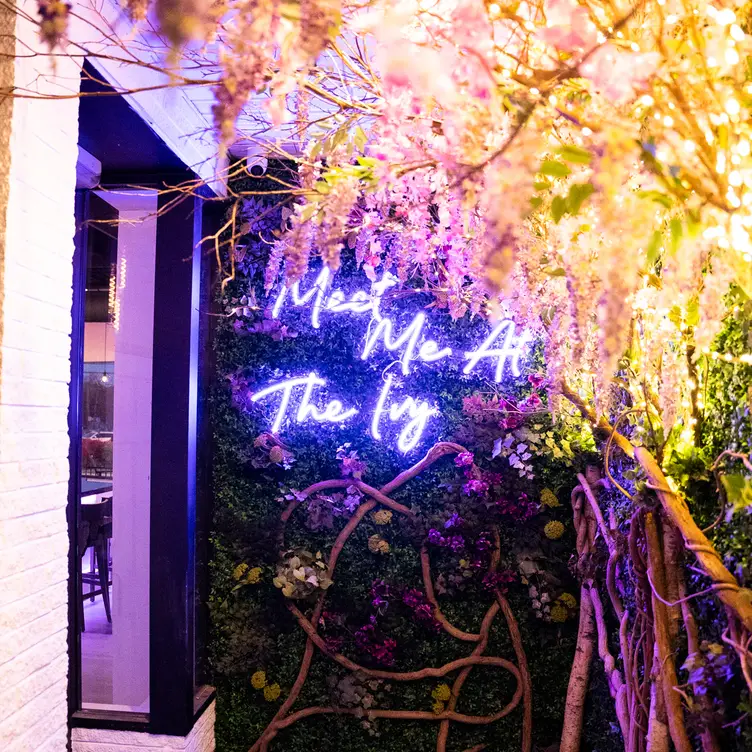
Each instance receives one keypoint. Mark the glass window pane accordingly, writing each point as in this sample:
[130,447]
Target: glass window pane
[116,452]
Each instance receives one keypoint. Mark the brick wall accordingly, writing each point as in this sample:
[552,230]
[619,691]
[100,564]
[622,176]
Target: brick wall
[38,154]
[37,182]
[201,739]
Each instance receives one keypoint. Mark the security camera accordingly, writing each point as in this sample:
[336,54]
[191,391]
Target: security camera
[255,162]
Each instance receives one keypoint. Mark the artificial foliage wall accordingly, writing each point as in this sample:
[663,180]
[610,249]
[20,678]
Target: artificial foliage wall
[441,610]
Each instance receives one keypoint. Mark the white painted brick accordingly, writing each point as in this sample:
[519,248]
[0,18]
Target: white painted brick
[33,581]
[33,553]
[29,364]
[200,739]
[24,665]
[18,447]
[21,612]
[36,721]
[57,742]
[12,700]
[34,473]
[20,418]
[18,642]
[33,500]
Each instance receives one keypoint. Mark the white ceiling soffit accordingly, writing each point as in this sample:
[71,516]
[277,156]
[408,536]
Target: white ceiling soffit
[180,116]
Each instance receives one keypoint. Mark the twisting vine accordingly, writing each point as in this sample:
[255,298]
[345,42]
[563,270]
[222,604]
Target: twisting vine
[523,692]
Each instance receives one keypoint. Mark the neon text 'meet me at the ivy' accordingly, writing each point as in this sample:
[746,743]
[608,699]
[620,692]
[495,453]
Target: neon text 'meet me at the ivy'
[300,398]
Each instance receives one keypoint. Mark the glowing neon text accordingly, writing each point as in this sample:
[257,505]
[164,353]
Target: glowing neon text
[332,413]
[503,349]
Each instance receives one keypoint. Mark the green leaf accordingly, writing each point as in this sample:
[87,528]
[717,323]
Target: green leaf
[578,193]
[692,314]
[654,247]
[558,208]
[738,491]
[675,229]
[536,202]
[660,198]
[574,154]
[541,185]
[554,169]
[308,211]
[558,272]
[360,138]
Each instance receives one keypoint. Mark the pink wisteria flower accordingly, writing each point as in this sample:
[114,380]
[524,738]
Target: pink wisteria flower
[619,74]
[568,26]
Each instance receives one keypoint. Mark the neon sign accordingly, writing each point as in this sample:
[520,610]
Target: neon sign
[298,398]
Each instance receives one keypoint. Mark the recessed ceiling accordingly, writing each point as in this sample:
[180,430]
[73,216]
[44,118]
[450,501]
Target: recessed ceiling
[112,132]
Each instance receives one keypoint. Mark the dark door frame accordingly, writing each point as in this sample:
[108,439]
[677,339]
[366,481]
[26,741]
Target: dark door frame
[179,507]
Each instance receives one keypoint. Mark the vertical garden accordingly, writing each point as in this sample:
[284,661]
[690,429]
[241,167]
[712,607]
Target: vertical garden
[415,551]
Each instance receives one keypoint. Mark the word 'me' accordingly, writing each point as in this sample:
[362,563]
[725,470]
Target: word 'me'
[299,398]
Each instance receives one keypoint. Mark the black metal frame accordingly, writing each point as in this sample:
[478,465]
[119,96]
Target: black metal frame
[178,506]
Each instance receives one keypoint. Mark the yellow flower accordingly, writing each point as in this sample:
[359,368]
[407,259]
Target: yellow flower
[240,570]
[559,613]
[254,576]
[382,517]
[548,498]
[554,530]
[258,680]
[568,600]
[377,545]
[438,707]
[442,693]
[271,692]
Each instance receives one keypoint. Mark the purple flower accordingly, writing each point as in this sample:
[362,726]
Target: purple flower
[536,379]
[436,538]
[380,595]
[422,610]
[454,521]
[464,459]
[521,509]
[381,649]
[456,543]
[533,402]
[499,580]
[479,487]
[483,543]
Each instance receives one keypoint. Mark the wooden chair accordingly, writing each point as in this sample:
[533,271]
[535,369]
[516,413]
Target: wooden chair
[95,531]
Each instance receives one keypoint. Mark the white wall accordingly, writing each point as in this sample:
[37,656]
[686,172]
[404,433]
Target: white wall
[201,739]
[35,304]
[38,152]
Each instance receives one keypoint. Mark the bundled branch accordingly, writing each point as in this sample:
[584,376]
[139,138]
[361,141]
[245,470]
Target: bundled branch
[285,717]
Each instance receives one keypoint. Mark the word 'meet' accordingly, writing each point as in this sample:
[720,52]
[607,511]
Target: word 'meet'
[503,348]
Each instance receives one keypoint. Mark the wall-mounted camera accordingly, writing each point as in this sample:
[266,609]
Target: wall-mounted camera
[255,162]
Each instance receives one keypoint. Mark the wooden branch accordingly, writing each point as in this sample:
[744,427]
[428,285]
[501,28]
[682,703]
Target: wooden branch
[616,685]
[527,687]
[283,718]
[574,709]
[459,634]
[666,666]
[738,599]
